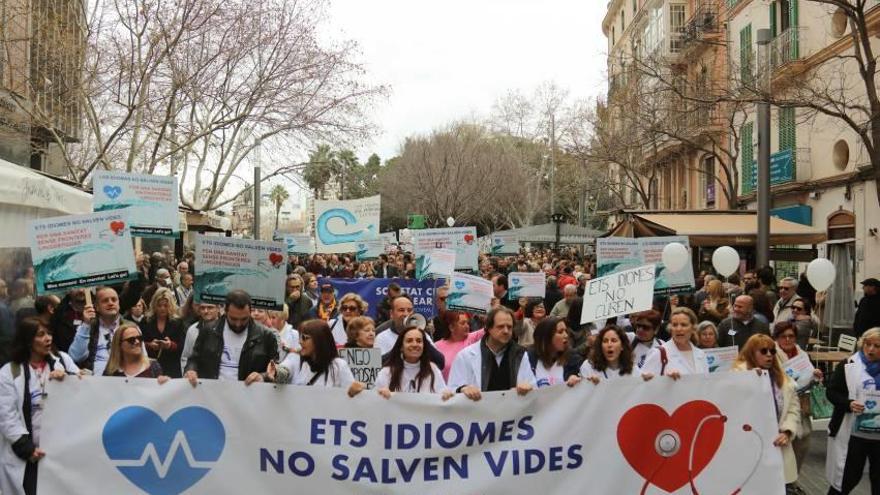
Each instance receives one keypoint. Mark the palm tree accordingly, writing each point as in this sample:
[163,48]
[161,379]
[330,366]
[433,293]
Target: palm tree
[278,196]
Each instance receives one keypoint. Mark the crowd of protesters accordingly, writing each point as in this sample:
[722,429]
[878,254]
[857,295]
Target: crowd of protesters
[152,328]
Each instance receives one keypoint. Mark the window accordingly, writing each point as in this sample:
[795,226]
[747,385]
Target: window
[747,158]
[676,27]
[787,129]
[635,6]
[708,180]
[613,36]
[746,55]
[622,21]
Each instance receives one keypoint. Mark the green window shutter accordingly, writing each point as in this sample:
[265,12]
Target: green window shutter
[745,54]
[747,158]
[795,32]
[787,135]
[773,19]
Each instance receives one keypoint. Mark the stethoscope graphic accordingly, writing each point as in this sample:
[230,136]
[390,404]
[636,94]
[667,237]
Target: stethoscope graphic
[668,444]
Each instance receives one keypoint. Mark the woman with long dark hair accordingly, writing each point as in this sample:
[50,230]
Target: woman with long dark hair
[610,356]
[410,369]
[22,393]
[552,359]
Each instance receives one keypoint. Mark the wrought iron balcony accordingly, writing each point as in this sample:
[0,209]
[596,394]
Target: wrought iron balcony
[786,48]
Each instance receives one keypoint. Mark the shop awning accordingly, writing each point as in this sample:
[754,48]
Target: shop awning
[28,195]
[713,228]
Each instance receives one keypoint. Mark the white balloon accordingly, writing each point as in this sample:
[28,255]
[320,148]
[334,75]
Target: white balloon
[450,221]
[725,260]
[821,273]
[675,256]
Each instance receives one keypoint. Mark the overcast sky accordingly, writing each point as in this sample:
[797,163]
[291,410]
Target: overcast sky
[452,59]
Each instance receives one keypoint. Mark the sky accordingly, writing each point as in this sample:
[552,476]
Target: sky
[446,61]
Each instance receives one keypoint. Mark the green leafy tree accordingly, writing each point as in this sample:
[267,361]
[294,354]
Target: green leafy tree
[278,195]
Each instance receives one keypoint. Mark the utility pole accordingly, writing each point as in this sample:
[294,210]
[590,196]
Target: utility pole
[257,174]
[762,247]
[552,164]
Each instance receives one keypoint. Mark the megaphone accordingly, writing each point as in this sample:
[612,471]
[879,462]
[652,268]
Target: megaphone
[415,320]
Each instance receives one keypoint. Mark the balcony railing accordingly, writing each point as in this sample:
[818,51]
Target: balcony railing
[703,22]
[786,47]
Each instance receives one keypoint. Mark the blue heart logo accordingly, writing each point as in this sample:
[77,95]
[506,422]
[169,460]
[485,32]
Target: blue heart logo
[710,360]
[870,404]
[164,457]
[459,284]
[112,192]
[514,281]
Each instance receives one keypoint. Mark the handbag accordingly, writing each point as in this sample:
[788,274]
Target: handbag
[819,403]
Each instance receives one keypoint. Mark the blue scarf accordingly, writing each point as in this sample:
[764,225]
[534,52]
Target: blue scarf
[873,369]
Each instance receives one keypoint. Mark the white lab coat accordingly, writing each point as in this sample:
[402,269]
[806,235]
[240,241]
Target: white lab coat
[467,369]
[407,378]
[835,457]
[386,339]
[640,350]
[12,424]
[675,361]
[338,329]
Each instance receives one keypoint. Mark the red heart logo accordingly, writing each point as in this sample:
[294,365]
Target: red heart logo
[468,238]
[275,258]
[117,226]
[659,446]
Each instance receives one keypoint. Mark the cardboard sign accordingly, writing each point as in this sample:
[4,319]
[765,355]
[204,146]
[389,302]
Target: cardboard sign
[365,364]
[340,225]
[151,201]
[469,293]
[629,291]
[437,263]
[526,284]
[462,240]
[81,251]
[224,264]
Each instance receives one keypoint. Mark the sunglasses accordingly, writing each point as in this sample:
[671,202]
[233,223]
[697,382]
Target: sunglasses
[349,308]
[771,351]
[797,308]
[133,340]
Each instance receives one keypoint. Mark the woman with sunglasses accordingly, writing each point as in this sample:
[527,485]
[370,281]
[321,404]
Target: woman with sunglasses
[127,356]
[22,395]
[534,312]
[644,338]
[350,307]
[785,335]
[409,368]
[759,353]
[803,321]
[679,356]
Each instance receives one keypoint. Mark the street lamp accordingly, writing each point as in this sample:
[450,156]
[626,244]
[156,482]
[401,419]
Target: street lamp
[558,219]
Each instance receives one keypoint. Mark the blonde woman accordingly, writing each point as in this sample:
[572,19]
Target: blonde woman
[715,307]
[163,332]
[679,356]
[350,307]
[127,356]
[759,353]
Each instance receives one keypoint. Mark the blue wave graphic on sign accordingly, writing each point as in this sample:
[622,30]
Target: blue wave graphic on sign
[164,457]
[328,237]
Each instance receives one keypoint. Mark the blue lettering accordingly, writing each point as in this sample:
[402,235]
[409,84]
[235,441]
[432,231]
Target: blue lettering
[364,470]
[402,430]
[555,463]
[387,478]
[407,473]
[357,430]
[340,472]
[574,454]
[431,468]
[388,437]
[460,469]
[496,467]
[337,425]
[277,462]
[480,437]
[317,436]
[309,467]
[441,435]
[527,431]
[534,461]
[506,431]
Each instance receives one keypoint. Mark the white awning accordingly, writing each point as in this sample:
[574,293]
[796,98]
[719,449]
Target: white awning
[27,195]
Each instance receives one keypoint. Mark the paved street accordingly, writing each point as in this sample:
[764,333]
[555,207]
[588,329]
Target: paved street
[812,477]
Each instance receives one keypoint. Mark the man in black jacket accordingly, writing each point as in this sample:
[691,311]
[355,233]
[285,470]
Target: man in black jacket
[868,314]
[741,324]
[237,348]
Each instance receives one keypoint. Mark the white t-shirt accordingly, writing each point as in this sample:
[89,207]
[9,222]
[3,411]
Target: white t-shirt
[233,343]
[587,371]
[338,375]
[408,379]
[37,386]
[549,377]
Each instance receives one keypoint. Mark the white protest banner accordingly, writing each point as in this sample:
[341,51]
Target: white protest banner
[721,359]
[365,363]
[339,225]
[81,251]
[369,249]
[504,244]
[224,264]
[800,369]
[462,240]
[614,254]
[151,201]
[436,263]
[299,243]
[710,431]
[621,293]
[469,293]
[526,284]
[390,237]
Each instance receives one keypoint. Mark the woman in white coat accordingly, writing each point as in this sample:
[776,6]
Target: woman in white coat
[759,353]
[852,434]
[410,368]
[679,356]
[22,392]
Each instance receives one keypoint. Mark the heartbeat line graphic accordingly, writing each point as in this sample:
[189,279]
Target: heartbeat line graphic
[163,466]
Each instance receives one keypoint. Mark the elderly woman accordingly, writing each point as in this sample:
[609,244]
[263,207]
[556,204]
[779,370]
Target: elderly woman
[22,393]
[361,332]
[853,434]
[350,306]
[707,335]
[785,336]
[759,353]
[533,313]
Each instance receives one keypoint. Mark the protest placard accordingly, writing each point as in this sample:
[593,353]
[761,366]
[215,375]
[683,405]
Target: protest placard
[721,358]
[224,264]
[81,251]
[150,200]
[365,363]
[369,249]
[436,263]
[340,225]
[298,243]
[469,293]
[614,254]
[800,369]
[462,240]
[526,284]
[143,437]
[374,290]
[504,244]
[620,293]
